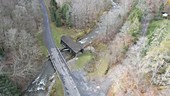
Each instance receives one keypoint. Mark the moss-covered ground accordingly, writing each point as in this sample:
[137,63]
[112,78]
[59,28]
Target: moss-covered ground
[83,59]
[41,43]
[57,89]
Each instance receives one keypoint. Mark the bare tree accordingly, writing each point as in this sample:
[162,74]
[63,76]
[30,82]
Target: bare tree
[85,12]
[19,23]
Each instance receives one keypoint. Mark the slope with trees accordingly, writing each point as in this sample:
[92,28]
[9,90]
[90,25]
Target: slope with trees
[20,24]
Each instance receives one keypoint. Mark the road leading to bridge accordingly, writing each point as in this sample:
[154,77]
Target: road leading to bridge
[56,57]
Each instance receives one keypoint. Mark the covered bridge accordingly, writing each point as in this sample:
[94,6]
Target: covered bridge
[68,43]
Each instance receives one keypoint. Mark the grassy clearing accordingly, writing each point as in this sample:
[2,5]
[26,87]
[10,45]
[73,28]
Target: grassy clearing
[83,59]
[100,68]
[58,32]
[57,89]
[41,43]
[100,45]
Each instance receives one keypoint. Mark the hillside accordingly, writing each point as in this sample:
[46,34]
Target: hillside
[21,54]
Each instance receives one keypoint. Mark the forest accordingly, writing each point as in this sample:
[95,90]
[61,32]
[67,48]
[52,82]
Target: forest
[128,53]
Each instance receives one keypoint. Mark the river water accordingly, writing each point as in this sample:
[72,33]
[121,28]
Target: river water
[41,82]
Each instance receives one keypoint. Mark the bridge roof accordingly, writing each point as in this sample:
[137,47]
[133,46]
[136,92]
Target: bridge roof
[74,46]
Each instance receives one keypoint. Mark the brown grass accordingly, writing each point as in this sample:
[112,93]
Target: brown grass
[118,48]
[131,84]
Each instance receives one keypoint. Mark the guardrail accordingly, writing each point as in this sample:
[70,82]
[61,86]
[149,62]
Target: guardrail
[60,66]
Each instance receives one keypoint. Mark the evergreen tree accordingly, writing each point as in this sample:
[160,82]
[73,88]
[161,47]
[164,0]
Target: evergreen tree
[60,15]
[7,88]
[58,19]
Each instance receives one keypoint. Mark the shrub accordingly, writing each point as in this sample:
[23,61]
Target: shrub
[155,28]
[1,53]
[135,13]
[157,56]
[135,22]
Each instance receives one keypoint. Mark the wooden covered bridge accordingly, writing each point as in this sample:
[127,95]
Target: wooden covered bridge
[72,46]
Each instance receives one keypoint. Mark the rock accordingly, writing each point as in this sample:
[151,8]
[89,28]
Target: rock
[90,48]
[98,87]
